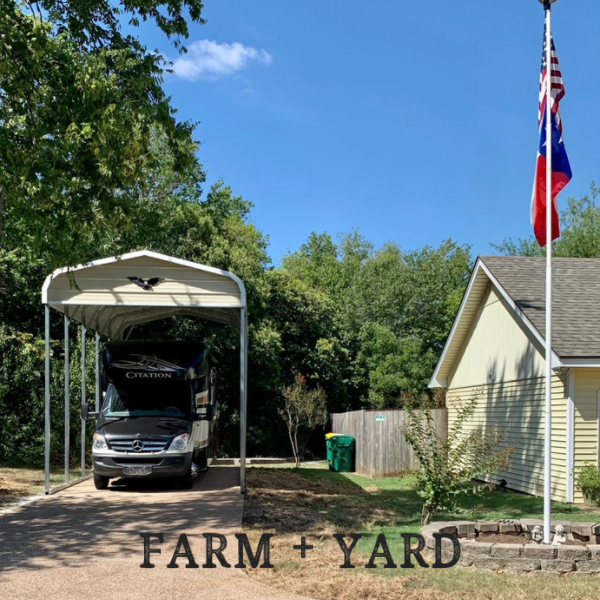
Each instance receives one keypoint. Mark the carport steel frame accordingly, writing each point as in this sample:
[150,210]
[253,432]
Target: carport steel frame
[224,313]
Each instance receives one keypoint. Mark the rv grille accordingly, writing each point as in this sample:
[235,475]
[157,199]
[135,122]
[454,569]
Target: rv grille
[127,445]
[135,460]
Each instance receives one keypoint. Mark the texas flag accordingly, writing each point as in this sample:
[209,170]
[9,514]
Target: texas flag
[561,170]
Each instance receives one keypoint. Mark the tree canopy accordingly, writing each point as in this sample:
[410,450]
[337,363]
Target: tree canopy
[95,163]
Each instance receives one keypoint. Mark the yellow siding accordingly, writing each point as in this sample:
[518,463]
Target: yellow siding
[497,345]
[587,385]
[517,407]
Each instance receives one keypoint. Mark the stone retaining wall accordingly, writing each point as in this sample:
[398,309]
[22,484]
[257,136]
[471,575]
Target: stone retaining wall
[531,558]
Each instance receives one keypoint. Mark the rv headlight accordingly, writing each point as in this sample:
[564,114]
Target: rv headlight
[180,442]
[99,442]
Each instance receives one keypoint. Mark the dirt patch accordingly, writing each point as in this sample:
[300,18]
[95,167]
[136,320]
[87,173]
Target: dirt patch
[522,538]
[16,483]
[319,576]
[289,503]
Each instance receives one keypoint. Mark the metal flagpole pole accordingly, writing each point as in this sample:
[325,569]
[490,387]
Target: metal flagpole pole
[548,419]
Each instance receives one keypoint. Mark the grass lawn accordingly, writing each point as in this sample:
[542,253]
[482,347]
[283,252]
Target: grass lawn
[316,503]
[16,483]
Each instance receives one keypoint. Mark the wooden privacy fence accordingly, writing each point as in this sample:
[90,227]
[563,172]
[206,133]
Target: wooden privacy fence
[381,449]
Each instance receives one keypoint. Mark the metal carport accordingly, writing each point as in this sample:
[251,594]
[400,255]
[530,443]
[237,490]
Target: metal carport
[101,296]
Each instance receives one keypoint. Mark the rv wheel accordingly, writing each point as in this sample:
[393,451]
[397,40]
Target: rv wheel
[100,482]
[187,481]
[202,461]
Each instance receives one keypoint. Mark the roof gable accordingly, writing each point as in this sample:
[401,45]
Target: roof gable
[480,278]
[575,299]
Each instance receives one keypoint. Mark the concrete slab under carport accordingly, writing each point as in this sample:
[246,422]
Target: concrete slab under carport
[85,543]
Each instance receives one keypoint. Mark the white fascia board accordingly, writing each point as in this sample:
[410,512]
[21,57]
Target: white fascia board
[145,304]
[581,362]
[151,254]
[556,361]
[437,381]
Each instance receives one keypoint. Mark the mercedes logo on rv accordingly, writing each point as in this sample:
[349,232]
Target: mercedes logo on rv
[137,445]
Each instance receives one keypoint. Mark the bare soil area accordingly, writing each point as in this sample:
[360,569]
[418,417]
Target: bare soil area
[290,505]
[16,483]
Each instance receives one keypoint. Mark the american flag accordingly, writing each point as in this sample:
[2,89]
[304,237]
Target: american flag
[561,169]
[558,87]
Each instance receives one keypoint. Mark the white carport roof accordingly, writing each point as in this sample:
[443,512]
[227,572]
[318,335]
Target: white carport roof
[100,294]
[112,295]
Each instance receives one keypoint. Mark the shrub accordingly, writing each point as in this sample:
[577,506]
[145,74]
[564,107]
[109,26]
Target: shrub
[588,481]
[448,466]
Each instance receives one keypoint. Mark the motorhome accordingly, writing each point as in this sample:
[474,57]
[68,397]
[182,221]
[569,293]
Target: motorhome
[157,413]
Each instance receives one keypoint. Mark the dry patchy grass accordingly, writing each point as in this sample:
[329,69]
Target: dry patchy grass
[16,483]
[293,503]
[289,502]
[319,576]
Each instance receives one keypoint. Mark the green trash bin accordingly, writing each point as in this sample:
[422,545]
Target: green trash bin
[340,453]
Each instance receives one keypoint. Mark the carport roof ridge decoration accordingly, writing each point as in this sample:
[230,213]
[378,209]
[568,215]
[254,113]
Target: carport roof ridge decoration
[520,280]
[112,294]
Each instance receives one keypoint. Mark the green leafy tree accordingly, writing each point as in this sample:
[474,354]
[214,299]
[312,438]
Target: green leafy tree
[401,310]
[448,466]
[78,105]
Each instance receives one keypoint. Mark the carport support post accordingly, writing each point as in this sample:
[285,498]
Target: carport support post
[243,395]
[97,372]
[47,399]
[83,399]
[67,401]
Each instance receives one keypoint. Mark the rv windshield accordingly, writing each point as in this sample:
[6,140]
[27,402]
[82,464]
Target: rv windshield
[147,399]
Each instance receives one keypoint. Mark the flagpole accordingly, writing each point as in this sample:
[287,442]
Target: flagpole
[548,420]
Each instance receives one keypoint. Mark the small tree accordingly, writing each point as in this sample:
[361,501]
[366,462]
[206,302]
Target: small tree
[448,466]
[303,410]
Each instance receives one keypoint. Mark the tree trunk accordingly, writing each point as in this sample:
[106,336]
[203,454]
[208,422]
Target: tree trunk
[290,426]
[426,514]
[297,452]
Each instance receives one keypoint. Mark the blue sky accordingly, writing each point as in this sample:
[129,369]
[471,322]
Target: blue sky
[411,121]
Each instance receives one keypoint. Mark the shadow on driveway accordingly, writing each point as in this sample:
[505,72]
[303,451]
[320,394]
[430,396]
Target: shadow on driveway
[81,524]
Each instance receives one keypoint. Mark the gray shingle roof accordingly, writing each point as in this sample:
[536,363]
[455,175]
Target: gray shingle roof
[575,298]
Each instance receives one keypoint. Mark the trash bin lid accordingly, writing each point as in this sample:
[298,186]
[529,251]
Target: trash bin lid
[344,440]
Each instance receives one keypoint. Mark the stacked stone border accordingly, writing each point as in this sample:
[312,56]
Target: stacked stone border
[530,558]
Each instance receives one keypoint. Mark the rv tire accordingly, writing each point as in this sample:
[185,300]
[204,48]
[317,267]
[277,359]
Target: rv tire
[187,481]
[100,482]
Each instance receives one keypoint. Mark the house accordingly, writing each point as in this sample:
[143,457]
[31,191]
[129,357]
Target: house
[496,351]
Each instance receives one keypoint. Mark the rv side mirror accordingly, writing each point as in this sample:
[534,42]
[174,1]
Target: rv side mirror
[86,415]
[205,413]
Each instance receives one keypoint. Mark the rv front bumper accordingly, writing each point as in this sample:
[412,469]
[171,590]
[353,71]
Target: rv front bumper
[167,465]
